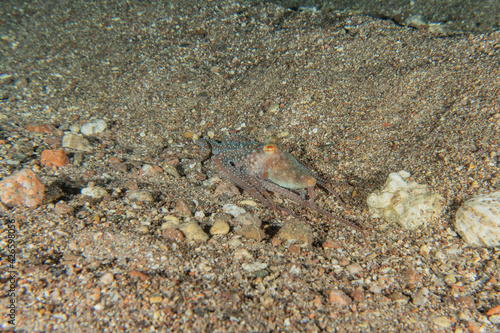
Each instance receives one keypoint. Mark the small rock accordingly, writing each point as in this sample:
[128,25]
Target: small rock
[408,203]
[41,128]
[295,270]
[478,220]
[170,222]
[251,232]
[375,289]
[253,267]
[171,170]
[148,169]
[357,295]
[248,219]
[142,229]
[411,277]
[398,297]
[235,242]
[173,235]
[249,203]
[54,158]
[22,189]
[95,192]
[420,297]
[242,254]
[193,231]
[56,297]
[495,319]
[234,210]
[296,230]
[107,278]
[139,196]
[155,299]
[184,208]
[226,190]
[273,107]
[338,297]
[63,208]
[93,127]
[219,228]
[354,269]
[75,141]
[444,322]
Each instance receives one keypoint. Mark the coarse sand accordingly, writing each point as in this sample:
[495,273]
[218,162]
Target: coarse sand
[354,98]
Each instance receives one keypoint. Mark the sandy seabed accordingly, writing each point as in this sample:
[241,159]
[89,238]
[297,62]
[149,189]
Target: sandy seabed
[353,97]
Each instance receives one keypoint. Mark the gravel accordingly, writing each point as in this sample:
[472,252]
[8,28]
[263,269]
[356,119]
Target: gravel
[353,97]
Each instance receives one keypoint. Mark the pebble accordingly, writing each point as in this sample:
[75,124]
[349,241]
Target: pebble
[251,232]
[171,170]
[63,208]
[296,231]
[93,127]
[172,234]
[75,141]
[139,196]
[41,128]
[398,297]
[444,322]
[248,219]
[478,220]
[184,208]
[199,215]
[155,299]
[148,169]
[408,203]
[211,181]
[242,253]
[171,221]
[235,242]
[273,107]
[338,297]
[74,128]
[253,267]
[142,229]
[375,289]
[354,269]
[249,203]
[54,158]
[234,210]
[193,231]
[420,297]
[95,192]
[219,228]
[226,190]
[22,189]
[107,278]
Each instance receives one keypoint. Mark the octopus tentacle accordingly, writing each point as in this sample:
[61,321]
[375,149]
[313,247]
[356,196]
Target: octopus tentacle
[229,171]
[311,205]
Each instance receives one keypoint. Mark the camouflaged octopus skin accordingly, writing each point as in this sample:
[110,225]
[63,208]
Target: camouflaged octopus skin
[261,167]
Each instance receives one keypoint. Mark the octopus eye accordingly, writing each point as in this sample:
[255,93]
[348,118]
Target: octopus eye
[270,148]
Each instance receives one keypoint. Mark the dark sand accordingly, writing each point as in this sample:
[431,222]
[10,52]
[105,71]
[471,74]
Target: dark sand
[353,97]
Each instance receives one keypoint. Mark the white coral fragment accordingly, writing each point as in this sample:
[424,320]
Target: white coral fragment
[408,203]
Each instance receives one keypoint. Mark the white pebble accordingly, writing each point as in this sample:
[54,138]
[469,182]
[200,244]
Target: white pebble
[94,127]
[256,266]
[107,278]
[234,210]
[95,192]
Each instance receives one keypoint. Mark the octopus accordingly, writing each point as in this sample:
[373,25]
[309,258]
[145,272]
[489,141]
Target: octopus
[260,168]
